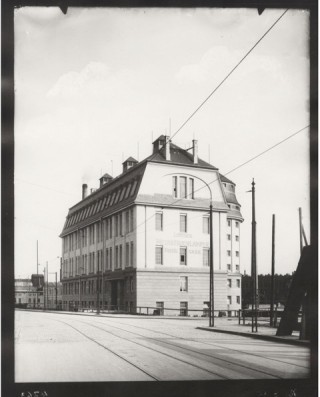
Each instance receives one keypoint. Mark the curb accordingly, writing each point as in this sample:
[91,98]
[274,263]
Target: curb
[271,338]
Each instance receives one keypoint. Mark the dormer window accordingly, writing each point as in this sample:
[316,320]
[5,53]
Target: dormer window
[129,163]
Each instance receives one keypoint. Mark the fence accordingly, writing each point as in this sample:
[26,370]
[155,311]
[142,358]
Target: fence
[246,317]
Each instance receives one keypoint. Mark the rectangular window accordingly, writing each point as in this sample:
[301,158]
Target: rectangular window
[237,268]
[206,225]
[175,186]
[229,266]
[159,221]
[120,224]
[237,253]
[127,222]
[229,282]
[131,284]
[127,255]
[238,300]
[229,223]
[183,256]
[191,188]
[229,253]
[237,224]
[183,283]
[183,223]
[111,258]
[205,255]
[131,253]
[117,256]
[183,308]
[110,224]
[238,283]
[229,236]
[107,258]
[183,187]
[237,238]
[117,225]
[160,307]
[229,300]
[159,255]
[131,220]
[120,256]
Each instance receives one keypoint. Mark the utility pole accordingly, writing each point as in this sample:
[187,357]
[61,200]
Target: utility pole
[211,308]
[272,273]
[254,264]
[56,291]
[47,282]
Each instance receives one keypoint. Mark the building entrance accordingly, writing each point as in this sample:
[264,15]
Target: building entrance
[117,298]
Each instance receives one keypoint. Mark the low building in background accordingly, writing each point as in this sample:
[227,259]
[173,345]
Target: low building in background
[29,292]
[140,242]
[53,296]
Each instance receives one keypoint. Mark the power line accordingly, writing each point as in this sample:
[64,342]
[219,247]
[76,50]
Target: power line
[227,76]
[234,169]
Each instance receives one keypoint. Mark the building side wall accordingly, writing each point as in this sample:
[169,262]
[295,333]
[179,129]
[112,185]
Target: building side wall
[164,286]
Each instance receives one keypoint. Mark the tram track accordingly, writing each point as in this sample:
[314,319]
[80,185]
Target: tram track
[229,363]
[110,350]
[216,374]
[209,344]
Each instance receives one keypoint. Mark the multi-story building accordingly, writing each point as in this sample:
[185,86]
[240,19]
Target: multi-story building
[29,292]
[142,239]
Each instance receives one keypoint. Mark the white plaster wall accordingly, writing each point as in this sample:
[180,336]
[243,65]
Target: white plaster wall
[158,179]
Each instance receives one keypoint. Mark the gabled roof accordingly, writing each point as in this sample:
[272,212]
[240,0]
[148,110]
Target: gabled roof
[130,159]
[106,175]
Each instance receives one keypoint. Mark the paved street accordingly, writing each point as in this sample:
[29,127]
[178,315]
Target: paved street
[60,347]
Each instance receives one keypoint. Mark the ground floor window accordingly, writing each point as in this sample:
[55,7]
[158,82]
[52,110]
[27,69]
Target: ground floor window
[160,306]
[206,308]
[183,308]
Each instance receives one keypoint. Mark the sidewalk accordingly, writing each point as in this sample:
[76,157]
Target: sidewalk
[265,332]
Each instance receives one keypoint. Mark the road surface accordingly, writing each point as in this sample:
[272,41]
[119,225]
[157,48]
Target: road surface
[61,347]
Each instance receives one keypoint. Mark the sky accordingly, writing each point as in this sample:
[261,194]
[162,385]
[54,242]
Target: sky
[98,85]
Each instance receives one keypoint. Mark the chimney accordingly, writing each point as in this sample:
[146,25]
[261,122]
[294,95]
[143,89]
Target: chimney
[84,190]
[167,148]
[195,151]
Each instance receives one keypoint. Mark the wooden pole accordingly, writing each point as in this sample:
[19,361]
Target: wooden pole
[272,273]
[254,263]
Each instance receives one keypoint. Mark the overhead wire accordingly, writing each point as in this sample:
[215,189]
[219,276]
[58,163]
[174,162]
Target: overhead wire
[228,75]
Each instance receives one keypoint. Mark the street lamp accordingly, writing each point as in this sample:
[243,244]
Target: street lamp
[211,281]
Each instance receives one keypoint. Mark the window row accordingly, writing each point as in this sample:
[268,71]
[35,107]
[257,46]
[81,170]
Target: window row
[229,253]
[182,256]
[123,192]
[237,267]
[183,223]
[229,300]
[91,287]
[114,226]
[237,223]
[229,282]
[122,254]
[235,237]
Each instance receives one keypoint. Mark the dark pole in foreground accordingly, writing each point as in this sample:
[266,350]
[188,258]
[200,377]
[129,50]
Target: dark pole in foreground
[211,308]
[56,291]
[254,264]
[272,273]
[300,230]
